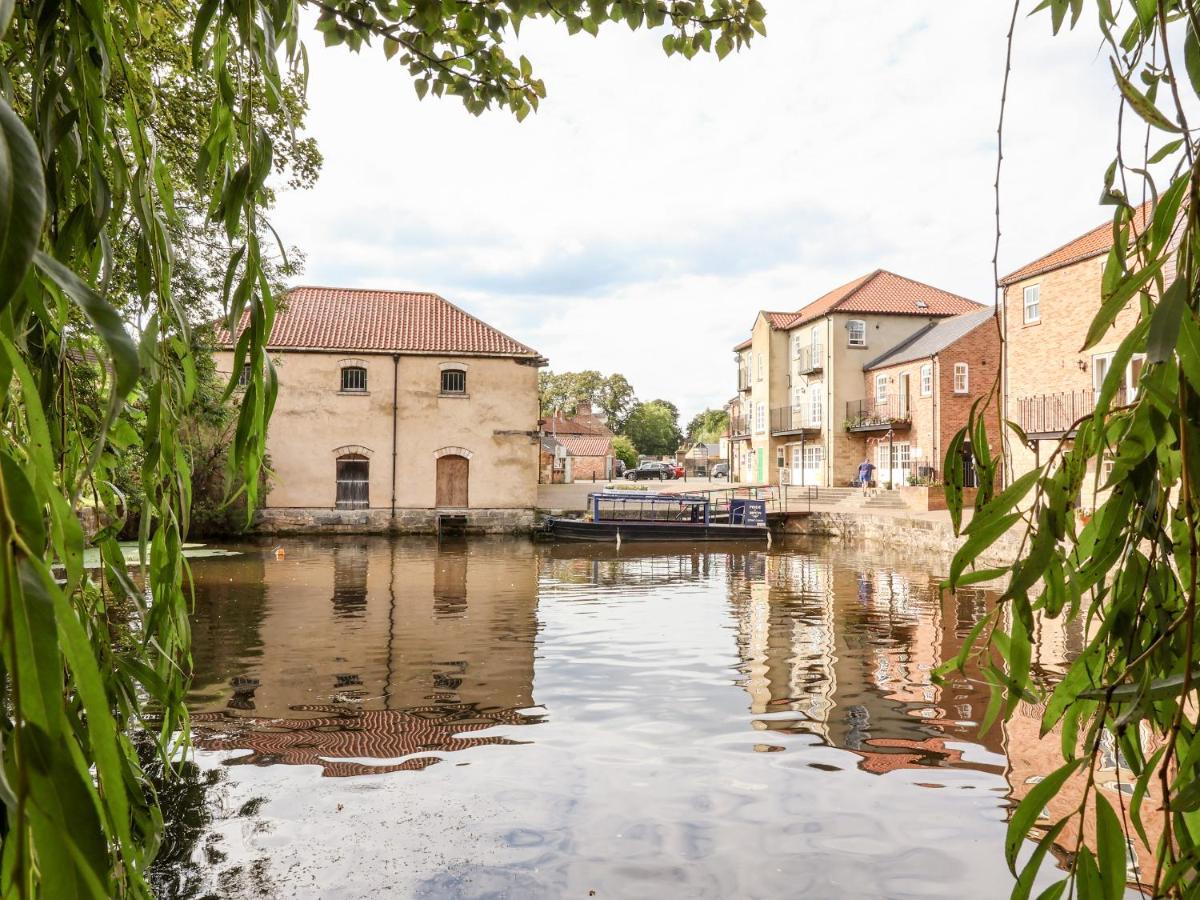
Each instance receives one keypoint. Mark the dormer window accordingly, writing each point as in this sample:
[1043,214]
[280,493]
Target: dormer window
[454,381]
[354,379]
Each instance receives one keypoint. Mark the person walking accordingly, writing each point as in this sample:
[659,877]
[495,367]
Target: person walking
[866,471]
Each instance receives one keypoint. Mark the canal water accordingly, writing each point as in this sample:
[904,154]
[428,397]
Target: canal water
[496,718]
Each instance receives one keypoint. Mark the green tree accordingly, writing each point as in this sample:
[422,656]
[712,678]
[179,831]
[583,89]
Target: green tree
[624,450]
[654,428]
[708,426]
[95,217]
[563,392]
[1128,574]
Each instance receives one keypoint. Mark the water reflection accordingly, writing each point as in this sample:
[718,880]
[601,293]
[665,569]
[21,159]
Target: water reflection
[398,664]
[732,723]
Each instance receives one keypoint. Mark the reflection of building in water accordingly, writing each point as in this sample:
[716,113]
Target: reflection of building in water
[851,652]
[418,645]
[644,565]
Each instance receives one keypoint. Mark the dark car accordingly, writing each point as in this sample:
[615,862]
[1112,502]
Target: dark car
[719,470]
[659,470]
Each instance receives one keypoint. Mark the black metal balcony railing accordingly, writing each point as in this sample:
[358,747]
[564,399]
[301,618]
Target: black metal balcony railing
[1056,414]
[743,379]
[791,419]
[739,425]
[870,414]
[810,359]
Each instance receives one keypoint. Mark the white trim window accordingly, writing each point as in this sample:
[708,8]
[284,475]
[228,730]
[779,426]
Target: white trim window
[927,380]
[760,418]
[881,391]
[797,397]
[961,378]
[796,344]
[816,409]
[856,329]
[1032,303]
[758,362]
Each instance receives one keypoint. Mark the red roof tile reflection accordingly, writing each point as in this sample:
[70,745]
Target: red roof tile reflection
[337,738]
[354,320]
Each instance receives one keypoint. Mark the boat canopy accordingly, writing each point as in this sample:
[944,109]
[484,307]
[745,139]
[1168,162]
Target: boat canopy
[641,506]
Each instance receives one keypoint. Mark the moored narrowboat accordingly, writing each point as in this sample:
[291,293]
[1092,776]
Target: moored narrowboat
[640,516]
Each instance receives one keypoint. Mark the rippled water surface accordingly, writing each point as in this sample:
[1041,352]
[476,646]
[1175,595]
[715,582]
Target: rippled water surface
[503,719]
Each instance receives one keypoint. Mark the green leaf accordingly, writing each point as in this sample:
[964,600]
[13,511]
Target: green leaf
[1112,305]
[1026,814]
[104,319]
[1140,103]
[22,201]
[1157,689]
[1029,874]
[1165,322]
[1110,849]
[1191,59]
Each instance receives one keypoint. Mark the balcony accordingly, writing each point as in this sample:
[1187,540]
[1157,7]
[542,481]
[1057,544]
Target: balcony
[793,420]
[877,415]
[810,360]
[743,380]
[739,427]
[1055,415]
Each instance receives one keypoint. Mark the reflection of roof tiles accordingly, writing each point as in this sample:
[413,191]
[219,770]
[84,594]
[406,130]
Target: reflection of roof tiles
[341,735]
[586,444]
[1094,243]
[317,318]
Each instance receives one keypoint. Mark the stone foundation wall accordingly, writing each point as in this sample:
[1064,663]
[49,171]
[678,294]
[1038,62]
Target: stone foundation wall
[299,520]
[927,535]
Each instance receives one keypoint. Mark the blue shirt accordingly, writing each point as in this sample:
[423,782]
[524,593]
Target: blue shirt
[865,470]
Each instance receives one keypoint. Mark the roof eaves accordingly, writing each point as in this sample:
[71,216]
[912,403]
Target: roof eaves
[1021,275]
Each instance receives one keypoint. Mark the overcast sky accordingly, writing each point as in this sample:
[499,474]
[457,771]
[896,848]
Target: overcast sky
[639,221]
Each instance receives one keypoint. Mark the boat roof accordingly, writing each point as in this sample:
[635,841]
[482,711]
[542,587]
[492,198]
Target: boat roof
[648,495]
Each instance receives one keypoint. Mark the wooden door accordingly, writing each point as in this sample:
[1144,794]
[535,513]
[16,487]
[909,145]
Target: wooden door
[453,473]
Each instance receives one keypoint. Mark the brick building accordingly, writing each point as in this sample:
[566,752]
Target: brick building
[588,442]
[921,393]
[800,376]
[1046,310]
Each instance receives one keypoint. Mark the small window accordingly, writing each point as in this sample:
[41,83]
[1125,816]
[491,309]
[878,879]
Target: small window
[758,362]
[796,344]
[760,418]
[816,409]
[244,378]
[1033,303]
[858,332]
[797,397]
[881,391]
[454,381]
[780,458]
[354,379]
[961,384]
[927,380]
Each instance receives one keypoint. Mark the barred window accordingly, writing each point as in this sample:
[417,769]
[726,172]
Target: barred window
[354,378]
[454,381]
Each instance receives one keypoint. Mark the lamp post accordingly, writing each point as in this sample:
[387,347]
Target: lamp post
[891,435]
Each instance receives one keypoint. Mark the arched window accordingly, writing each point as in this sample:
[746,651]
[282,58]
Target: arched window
[353,481]
[454,381]
[354,378]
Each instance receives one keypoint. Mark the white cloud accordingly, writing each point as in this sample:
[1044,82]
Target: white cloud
[643,216]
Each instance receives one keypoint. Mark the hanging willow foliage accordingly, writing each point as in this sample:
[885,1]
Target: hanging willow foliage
[94,367]
[1128,574]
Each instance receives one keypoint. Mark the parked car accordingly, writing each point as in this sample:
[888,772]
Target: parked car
[677,468]
[661,471]
[719,470]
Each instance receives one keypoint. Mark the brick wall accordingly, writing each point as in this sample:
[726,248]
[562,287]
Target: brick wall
[584,467]
[980,350]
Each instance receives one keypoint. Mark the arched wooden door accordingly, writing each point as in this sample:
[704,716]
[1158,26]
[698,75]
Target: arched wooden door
[453,474]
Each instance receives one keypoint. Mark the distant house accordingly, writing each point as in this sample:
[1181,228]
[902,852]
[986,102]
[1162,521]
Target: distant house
[700,457]
[396,408]
[588,443]
[800,376]
[921,392]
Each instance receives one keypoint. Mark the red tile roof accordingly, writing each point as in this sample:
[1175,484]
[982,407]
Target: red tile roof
[744,345]
[885,292]
[359,320]
[876,292]
[586,444]
[1096,242]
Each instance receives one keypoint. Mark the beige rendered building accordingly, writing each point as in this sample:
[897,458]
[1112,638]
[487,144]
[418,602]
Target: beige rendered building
[1046,311]
[396,409]
[800,377]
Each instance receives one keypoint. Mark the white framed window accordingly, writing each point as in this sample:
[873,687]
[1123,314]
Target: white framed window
[796,343]
[758,367]
[857,329]
[881,391]
[760,418]
[796,461]
[814,344]
[1032,297]
[816,409]
[797,397]
[813,457]
[245,376]
[927,380]
[1101,364]
[961,378]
